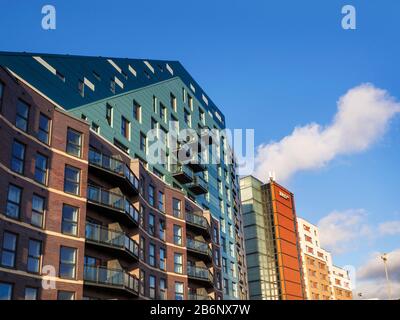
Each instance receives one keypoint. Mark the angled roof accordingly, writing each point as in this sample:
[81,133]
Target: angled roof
[58,76]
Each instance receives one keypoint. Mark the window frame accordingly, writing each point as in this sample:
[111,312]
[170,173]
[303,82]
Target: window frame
[41,130]
[16,158]
[13,251]
[37,259]
[18,204]
[72,223]
[67,263]
[70,143]
[41,171]
[18,115]
[77,183]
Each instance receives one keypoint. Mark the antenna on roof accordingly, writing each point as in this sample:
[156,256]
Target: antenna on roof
[272,175]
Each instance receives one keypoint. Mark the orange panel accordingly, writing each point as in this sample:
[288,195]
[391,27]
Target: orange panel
[282,209]
[288,248]
[283,221]
[292,275]
[287,235]
[290,262]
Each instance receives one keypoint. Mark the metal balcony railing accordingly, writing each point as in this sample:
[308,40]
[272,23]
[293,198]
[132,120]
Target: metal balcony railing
[111,277]
[199,273]
[114,165]
[199,246]
[197,220]
[195,296]
[112,200]
[116,239]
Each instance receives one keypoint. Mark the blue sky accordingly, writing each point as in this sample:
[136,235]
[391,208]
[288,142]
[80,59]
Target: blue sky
[282,64]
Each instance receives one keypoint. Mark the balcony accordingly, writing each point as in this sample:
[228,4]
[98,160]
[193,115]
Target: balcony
[197,165]
[115,280]
[113,203]
[112,168]
[195,296]
[198,186]
[115,242]
[182,173]
[199,248]
[200,274]
[198,223]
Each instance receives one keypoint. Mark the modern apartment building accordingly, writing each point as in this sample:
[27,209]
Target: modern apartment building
[80,195]
[323,280]
[272,247]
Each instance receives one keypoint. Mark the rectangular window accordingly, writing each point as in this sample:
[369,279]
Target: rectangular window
[41,169]
[137,111]
[31,293]
[226,286]
[152,254]
[44,128]
[202,117]
[143,142]
[72,180]
[176,206]
[160,201]
[69,223]
[74,142]
[142,244]
[6,291]
[154,104]
[109,114]
[178,290]
[163,289]
[152,287]
[18,157]
[190,101]
[162,259]
[37,211]
[178,263]
[9,250]
[173,102]
[13,201]
[187,118]
[121,146]
[22,116]
[161,229]
[65,295]
[177,235]
[151,195]
[151,224]
[34,256]
[95,127]
[163,112]
[224,265]
[67,262]
[125,127]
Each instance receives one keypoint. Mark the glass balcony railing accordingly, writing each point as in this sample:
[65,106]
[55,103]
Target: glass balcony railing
[197,220]
[199,246]
[199,273]
[199,185]
[113,238]
[180,169]
[112,200]
[114,165]
[195,296]
[111,277]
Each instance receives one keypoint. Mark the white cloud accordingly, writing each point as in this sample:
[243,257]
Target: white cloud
[371,279]
[389,228]
[361,119]
[340,230]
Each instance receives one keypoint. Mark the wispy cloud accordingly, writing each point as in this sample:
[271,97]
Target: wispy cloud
[389,228]
[362,118]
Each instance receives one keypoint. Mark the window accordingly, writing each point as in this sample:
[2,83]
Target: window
[121,146]
[173,102]
[154,104]
[187,118]
[69,223]
[162,259]
[67,262]
[154,124]
[178,263]
[18,157]
[6,290]
[308,238]
[151,195]
[137,111]
[13,201]
[41,168]
[152,287]
[72,180]
[31,293]
[9,250]
[235,289]
[1,91]
[125,127]
[231,249]
[226,286]
[109,114]
[37,211]
[95,127]
[202,116]
[176,206]
[223,243]
[163,112]
[74,142]
[152,254]
[233,270]
[143,142]
[160,201]
[224,266]
[65,295]
[161,227]
[34,256]
[142,281]
[163,289]
[141,248]
[177,235]
[44,128]
[190,101]
[151,224]
[21,120]
[178,290]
